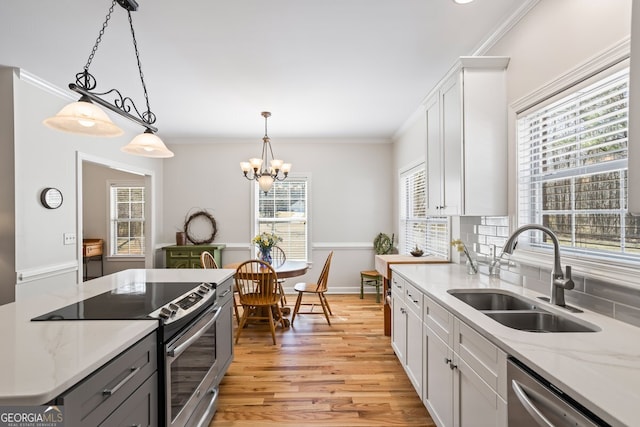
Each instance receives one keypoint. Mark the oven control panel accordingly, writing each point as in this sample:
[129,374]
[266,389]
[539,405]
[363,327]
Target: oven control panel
[205,293]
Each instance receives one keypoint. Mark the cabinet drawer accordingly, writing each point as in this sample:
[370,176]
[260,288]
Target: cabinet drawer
[439,320]
[224,291]
[89,403]
[397,286]
[413,299]
[91,247]
[182,253]
[487,360]
[140,409]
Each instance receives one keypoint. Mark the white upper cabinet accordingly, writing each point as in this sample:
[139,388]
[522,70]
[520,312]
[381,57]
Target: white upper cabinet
[467,140]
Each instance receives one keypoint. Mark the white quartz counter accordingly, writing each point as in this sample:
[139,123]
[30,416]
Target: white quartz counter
[40,360]
[601,369]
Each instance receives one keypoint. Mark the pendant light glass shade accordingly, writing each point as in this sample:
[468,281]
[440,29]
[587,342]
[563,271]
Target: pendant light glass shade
[147,144]
[265,182]
[85,118]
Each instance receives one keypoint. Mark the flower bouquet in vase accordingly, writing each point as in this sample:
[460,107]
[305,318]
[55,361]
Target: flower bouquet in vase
[265,242]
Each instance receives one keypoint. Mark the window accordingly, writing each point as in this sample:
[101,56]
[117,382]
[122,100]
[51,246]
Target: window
[572,166]
[127,220]
[284,212]
[413,208]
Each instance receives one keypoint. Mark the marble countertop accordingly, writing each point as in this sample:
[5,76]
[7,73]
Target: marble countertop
[600,369]
[40,360]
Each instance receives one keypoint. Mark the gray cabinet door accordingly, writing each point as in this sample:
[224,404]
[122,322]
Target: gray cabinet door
[140,409]
[99,395]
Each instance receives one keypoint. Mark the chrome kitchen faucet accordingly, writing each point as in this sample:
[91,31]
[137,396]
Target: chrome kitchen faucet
[559,281]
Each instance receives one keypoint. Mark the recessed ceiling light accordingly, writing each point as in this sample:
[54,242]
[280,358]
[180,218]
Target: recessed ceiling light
[462,1]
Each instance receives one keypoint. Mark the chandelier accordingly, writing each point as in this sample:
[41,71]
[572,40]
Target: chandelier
[261,169]
[86,118]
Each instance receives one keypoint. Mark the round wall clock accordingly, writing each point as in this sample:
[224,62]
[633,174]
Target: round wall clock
[51,198]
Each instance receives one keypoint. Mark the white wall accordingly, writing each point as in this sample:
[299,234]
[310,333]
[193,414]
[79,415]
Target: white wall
[95,215]
[48,158]
[350,197]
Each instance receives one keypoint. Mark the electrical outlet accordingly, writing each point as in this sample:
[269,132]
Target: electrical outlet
[69,238]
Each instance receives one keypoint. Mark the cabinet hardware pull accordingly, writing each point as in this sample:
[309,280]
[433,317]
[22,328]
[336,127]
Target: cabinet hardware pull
[177,350]
[110,392]
[452,366]
[447,361]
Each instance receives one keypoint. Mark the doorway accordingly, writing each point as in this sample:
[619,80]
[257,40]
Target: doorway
[99,180]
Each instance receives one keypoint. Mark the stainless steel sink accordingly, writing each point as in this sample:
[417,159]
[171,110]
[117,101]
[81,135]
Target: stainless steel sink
[518,312]
[482,300]
[538,321]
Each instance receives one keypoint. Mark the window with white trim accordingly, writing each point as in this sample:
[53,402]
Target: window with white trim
[283,211]
[429,233]
[127,216]
[413,208]
[572,169]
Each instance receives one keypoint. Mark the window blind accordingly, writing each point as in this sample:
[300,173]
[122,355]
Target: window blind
[283,211]
[413,208]
[572,163]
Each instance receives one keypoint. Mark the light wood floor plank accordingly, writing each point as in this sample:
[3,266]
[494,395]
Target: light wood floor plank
[342,375]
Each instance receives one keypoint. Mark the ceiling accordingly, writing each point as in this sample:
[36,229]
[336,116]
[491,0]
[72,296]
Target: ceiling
[325,69]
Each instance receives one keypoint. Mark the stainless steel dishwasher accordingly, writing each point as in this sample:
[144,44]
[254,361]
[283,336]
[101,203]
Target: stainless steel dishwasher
[534,401]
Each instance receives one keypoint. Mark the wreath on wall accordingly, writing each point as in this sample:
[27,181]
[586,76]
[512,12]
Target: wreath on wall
[200,227]
[383,244]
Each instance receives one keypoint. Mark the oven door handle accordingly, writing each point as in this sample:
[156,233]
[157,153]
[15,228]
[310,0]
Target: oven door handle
[177,350]
[531,408]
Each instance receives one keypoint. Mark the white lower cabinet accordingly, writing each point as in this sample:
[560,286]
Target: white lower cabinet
[465,375]
[414,357]
[406,331]
[398,319]
[438,389]
[476,403]
[460,375]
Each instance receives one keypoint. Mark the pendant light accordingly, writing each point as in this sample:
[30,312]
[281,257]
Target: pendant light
[86,118]
[263,170]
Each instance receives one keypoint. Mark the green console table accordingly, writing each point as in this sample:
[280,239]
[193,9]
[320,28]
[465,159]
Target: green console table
[188,256]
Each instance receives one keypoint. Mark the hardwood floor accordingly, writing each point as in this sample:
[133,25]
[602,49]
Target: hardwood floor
[343,375]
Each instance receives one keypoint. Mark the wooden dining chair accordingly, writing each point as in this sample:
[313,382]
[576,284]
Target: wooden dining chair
[257,284]
[278,257]
[319,289]
[207,260]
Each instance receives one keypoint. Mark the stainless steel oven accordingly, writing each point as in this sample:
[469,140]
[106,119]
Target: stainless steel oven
[191,372]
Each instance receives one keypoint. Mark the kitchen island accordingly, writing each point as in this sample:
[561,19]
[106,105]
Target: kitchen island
[41,360]
[600,370]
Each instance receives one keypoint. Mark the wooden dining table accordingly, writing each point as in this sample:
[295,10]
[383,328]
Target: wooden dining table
[286,270]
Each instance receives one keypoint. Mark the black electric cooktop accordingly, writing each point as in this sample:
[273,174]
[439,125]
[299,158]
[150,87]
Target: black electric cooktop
[133,301]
